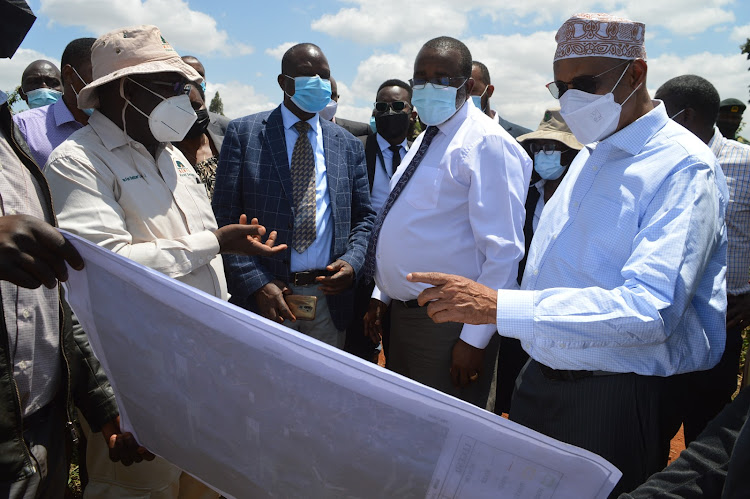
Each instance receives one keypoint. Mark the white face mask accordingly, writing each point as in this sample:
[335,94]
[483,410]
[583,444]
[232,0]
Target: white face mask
[328,112]
[592,117]
[171,119]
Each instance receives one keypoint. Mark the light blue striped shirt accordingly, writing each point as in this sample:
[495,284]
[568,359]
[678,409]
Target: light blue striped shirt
[626,272]
[734,159]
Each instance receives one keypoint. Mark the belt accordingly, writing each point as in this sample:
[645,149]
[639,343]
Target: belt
[409,304]
[307,277]
[565,375]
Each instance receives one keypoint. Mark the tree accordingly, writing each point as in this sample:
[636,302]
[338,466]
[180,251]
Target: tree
[216,105]
[14,97]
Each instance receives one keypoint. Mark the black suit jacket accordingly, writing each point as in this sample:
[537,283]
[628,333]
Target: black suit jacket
[372,151]
[356,128]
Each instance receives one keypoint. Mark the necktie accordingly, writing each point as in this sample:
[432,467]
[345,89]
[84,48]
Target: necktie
[303,189]
[396,161]
[370,258]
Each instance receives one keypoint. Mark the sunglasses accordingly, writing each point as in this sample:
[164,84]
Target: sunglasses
[584,83]
[546,148]
[441,82]
[176,88]
[397,106]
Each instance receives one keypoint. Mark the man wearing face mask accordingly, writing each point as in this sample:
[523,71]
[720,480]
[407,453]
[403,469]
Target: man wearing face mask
[328,113]
[456,205]
[306,176]
[624,284]
[45,128]
[120,183]
[393,116]
[481,94]
[693,102]
[41,84]
[552,147]
[202,143]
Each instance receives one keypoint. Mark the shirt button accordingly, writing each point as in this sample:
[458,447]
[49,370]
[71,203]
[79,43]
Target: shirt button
[575,204]
[594,167]
[11,211]
[554,236]
[26,314]
[536,271]
[201,261]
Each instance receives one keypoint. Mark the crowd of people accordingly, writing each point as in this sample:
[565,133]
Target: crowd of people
[588,278]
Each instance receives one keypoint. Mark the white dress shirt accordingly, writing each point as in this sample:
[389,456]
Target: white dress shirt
[381,182]
[318,254]
[108,189]
[461,213]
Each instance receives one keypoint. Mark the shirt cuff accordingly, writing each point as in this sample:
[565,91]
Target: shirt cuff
[379,295]
[477,336]
[515,314]
[204,245]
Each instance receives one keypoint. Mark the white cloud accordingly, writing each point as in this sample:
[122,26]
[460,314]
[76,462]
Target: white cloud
[278,52]
[239,99]
[728,73]
[426,19]
[189,31]
[12,69]
[740,33]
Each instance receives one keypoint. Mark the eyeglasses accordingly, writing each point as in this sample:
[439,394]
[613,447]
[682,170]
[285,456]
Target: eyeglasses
[177,87]
[584,83]
[441,82]
[547,148]
[397,106]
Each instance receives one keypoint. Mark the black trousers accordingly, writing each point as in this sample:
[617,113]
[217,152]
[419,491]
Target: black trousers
[356,343]
[708,392]
[627,419]
[510,360]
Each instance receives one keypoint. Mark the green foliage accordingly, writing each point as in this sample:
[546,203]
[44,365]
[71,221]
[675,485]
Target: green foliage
[14,97]
[216,105]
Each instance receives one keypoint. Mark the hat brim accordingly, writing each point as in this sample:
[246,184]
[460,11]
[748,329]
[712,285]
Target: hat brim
[566,138]
[88,97]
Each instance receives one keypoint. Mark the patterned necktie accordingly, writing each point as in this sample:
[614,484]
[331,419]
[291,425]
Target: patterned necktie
[370,258]
[303,189]
[396,161]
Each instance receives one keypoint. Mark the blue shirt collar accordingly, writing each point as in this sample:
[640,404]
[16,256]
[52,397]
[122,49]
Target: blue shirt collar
[633,137]
[289,119]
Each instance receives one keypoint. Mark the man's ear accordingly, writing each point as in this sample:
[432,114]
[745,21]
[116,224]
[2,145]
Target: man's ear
[281,79]
[66,75]
[22,94]
[469,86]
[638,73]
[490,91]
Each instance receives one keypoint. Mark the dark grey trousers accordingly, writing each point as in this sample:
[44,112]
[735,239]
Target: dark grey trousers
[627,419]
[421,350]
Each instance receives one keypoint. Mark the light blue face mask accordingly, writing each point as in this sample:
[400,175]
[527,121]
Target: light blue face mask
[435,105]
[89,110]
[477,99]
[42,97]
[548,165]
[373,125]
[311,93]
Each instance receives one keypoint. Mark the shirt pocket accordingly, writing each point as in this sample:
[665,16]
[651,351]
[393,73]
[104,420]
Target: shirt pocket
[424,187]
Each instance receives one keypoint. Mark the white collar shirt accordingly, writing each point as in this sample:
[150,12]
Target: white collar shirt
[108,189]
[462,212]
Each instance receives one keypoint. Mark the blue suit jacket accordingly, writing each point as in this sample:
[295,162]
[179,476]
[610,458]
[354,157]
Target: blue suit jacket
[253,177]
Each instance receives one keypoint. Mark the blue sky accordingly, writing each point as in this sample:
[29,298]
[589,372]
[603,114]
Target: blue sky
[368,41]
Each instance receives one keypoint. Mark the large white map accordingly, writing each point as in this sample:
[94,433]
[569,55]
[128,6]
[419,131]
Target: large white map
[257,410]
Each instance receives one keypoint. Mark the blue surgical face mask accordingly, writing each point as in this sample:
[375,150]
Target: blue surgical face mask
[435,105]
[42,97]
[373,125]
[89,110]
[477,99]
[548,165]
[311,93]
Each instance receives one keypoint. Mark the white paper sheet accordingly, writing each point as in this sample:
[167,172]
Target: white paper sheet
[257,410]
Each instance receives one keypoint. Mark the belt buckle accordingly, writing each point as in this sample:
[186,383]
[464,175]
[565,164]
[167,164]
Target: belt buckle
[300,275]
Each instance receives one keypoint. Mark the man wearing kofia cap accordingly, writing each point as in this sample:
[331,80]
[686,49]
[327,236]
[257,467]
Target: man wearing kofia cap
[624,284]
[120,183]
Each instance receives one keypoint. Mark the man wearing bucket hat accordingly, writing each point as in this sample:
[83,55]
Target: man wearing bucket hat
[624,285]
[119,182]
[553,147]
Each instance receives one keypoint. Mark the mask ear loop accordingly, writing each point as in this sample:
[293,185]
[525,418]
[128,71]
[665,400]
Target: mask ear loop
[125,128]
[618,82]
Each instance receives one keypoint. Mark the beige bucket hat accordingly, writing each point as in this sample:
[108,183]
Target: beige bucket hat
[553,127]
[131,51]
